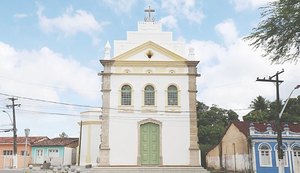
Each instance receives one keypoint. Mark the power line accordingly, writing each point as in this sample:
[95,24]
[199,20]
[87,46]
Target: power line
[42,85]
[87,106]
[50,113]
[49,101]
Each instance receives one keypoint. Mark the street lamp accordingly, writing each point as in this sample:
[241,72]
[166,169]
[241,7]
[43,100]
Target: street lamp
[280,161]
[8,116]
[287,100]
[25,152]
[11,123]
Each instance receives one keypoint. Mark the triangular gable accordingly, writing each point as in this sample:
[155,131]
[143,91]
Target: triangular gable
[139,53]
[235,124]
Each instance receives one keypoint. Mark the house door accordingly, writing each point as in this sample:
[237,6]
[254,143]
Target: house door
[149,144]
[296,154]
[39,156]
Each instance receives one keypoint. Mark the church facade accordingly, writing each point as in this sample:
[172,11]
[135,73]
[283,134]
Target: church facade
[149,101]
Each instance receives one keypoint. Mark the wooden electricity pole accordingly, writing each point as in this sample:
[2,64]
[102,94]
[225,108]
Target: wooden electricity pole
[13,105]
[277,119]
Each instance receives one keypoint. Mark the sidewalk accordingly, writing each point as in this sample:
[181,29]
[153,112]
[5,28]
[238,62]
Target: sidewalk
[73,169]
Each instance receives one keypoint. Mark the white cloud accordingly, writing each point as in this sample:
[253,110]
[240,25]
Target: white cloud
[188,9]
[123,6]
[44,74]
[20,15]
[71,22]
[228,31]
[228,73]
[169,21]
[240,5]
[48,68]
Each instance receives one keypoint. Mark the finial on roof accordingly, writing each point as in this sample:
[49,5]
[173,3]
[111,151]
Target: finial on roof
[269,128]
[252,128]
[107,50]
[149,18]
[286,127]
[107,45]
[191,53]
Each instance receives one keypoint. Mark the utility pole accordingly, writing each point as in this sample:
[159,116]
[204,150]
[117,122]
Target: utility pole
[277,119]
[13,105]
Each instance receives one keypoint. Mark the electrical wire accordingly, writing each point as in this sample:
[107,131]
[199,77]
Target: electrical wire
[49,101]
[181,112]
[50,113]
[41,85]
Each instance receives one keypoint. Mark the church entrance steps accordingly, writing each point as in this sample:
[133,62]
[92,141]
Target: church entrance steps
[147,170]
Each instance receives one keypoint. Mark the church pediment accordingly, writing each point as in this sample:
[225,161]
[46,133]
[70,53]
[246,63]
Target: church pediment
[149,51]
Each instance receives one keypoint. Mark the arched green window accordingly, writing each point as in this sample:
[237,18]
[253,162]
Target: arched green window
[172,95]
[126,95]
[149,95]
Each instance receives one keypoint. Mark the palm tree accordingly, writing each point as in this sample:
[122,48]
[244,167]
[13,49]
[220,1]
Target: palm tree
[260,104]
[260,112]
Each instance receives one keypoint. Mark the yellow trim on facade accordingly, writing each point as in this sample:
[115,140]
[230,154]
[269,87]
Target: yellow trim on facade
[150,63]
[153,74]
[92,122]
[88,154]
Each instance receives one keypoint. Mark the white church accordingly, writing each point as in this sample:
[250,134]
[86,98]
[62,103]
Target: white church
[149,119]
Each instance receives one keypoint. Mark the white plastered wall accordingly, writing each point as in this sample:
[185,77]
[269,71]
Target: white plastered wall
[123,127]
[91,133]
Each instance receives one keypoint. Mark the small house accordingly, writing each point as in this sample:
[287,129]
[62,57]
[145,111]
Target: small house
[56,151]
[6,150]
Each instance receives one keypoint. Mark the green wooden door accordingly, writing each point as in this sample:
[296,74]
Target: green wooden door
[149,142]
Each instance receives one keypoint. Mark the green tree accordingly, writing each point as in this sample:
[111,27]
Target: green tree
[257,116]
[260,103]
[278,34]
[265,111]
[212,122]
[260,112]
[63,135]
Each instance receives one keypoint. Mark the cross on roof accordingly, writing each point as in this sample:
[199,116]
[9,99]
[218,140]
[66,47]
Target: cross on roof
[149,11]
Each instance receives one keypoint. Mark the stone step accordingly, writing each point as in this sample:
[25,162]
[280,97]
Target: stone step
[147,170]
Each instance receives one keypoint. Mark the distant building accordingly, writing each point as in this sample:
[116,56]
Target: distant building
[6,150]
[56,151]
[252,147]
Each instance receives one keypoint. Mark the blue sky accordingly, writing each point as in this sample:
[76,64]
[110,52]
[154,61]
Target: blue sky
[50,50]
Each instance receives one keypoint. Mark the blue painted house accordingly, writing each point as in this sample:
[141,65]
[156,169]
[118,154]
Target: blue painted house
[56,151]
[252,147]
[264,147]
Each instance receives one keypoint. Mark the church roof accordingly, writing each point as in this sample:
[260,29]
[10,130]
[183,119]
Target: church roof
[146,47]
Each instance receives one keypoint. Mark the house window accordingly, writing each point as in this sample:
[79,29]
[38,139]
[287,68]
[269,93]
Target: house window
[149,95]
[53,153]
[285,155]
[23,153]
[296,151]
[7,152]
[265,155]
[126,95]
[172,95]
